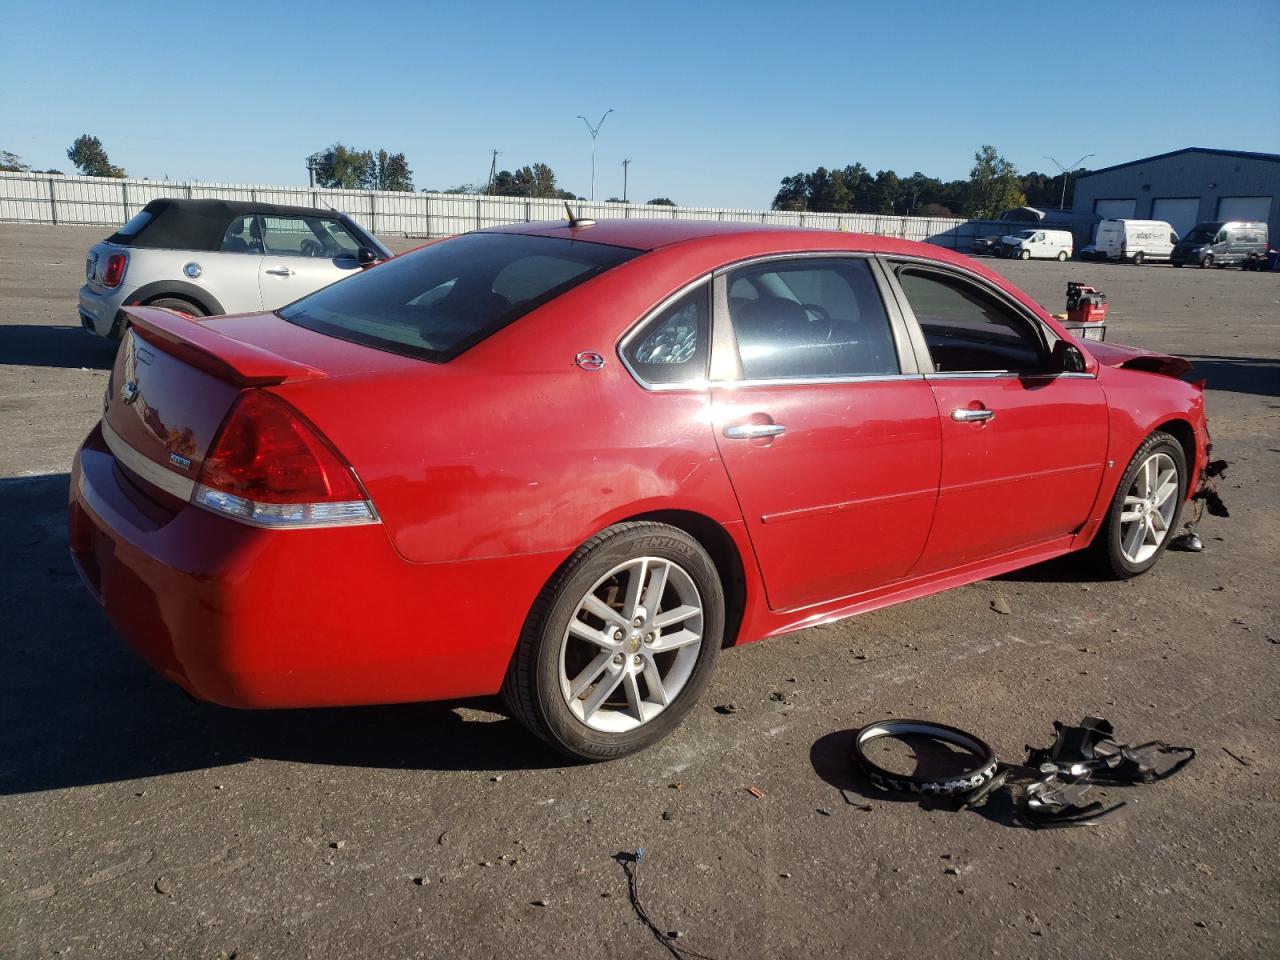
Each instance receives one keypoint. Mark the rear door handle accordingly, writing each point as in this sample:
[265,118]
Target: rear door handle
[753,431]
[972,416]
[280,271]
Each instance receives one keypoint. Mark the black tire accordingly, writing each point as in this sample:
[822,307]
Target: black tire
[1106,549]
[1206,261]
[177,303]
[532,689]
[1177,264]
[1138,258]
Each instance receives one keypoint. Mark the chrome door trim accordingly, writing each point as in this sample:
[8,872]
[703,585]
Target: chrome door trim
[753,431]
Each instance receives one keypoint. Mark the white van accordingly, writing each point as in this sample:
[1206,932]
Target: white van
[1043,244]
[1132,240]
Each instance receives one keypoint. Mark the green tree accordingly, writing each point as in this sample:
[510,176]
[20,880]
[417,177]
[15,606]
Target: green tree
[661,202]
[343,168]
[88,154]
[993,185]
[12,163]
[391,172]
[535,180]
[793,194]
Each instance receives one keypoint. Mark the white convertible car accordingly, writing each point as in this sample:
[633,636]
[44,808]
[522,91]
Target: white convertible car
[205,257]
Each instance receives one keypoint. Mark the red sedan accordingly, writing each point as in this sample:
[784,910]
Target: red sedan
[570,462]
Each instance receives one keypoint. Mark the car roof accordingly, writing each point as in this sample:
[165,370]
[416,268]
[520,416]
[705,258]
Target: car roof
[236,208]
[649,235]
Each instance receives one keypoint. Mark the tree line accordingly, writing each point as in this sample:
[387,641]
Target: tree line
[994,185]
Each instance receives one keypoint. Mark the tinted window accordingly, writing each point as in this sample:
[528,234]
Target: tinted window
[436,302]
[242,236]
[810,318]
[140,220]
[673,347]
[967,328]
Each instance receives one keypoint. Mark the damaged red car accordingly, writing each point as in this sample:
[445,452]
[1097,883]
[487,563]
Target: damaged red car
[570,462]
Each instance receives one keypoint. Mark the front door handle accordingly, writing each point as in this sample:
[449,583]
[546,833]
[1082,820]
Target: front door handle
[280,271]
[753,431]
[972,416]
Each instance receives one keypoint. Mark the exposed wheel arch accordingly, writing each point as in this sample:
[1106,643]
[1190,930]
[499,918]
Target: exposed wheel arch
[717,542]
[175,289]
[1185,434]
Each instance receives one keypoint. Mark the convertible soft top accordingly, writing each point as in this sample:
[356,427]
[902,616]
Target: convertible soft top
[201,224]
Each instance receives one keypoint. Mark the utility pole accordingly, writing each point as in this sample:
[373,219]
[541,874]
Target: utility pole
[493,168]
[625,164]
[1066,173]
[594,131]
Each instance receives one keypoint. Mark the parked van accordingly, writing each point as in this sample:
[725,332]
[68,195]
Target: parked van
[1219,243]
[1133,240]
[1042,244]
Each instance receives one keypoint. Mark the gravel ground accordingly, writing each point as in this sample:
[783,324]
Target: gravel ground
[140,824]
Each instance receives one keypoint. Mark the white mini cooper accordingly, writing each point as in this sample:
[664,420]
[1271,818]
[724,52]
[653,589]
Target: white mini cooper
[204,257]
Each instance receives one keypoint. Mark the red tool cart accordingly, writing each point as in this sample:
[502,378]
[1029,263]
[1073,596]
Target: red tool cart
[1086,311]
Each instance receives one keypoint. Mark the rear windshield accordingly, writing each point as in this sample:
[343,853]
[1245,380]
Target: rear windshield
[437,302]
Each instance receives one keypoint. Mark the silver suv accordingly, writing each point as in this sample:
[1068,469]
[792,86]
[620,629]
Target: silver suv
[205,257]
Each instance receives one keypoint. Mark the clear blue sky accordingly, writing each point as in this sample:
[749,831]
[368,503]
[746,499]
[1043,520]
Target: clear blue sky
[714,102]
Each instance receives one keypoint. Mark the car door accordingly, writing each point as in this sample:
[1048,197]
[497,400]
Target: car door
[826,426]
[1023,447]
[301,255]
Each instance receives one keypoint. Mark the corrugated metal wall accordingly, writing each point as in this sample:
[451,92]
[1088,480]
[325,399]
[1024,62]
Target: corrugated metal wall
[44,198]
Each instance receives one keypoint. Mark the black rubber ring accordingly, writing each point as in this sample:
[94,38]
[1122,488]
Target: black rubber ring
[951,786]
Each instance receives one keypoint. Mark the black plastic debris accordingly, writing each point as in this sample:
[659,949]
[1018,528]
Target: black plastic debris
[1051,788]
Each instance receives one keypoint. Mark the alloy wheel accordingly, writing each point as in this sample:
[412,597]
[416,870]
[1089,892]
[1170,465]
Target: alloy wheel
[1148,508]
[631,644]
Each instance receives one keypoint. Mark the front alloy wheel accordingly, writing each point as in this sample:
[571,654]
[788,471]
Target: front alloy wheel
[1145,509]
[620,643]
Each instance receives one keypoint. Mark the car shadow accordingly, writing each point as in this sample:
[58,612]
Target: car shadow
[77,707]
[1256,375]
[37,345]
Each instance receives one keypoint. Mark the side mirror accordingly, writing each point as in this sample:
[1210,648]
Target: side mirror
[367,256]
[1067,358]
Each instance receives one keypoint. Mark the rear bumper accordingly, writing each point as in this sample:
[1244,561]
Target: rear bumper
[256,618]
[100,312]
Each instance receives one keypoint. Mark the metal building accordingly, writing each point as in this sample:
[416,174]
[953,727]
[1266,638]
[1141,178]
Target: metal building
[1186,187]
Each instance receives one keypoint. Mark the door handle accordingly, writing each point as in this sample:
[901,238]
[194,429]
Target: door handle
[972,416]
[753,431]
[280,271]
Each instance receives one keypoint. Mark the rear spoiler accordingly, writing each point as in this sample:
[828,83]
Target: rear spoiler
[215,353]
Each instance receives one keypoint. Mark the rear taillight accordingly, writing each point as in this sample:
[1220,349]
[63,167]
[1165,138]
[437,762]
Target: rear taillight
[113,272]
[270,467]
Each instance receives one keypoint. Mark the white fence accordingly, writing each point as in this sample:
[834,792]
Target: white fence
[46,198]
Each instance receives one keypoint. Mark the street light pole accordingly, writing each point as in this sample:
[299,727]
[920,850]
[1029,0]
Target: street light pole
[594,131]
[1066,173]
[625,164]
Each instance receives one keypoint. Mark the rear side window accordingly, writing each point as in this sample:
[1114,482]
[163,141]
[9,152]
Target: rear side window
[673,347]
[968,329]
[437,302]
[796,319]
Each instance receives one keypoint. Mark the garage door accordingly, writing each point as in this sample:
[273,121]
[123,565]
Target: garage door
[1115,209]
[1244,208]
[1179,212]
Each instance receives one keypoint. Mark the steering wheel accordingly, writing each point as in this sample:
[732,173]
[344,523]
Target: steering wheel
[312,248]
[820,320]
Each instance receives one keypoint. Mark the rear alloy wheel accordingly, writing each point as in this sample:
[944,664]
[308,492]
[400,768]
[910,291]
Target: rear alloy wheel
[1138,258]
[1206,261]
[620,644]
[1026,254]
[179,305]
[1145,510]
[1062,256]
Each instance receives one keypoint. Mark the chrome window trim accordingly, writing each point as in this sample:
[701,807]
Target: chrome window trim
[695,383]
[1048,336]
[171,483]
[726,362]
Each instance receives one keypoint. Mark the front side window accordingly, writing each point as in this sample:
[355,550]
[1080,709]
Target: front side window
[810,319]
[673,347]
[968,329]
[307,237]
[438,301]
